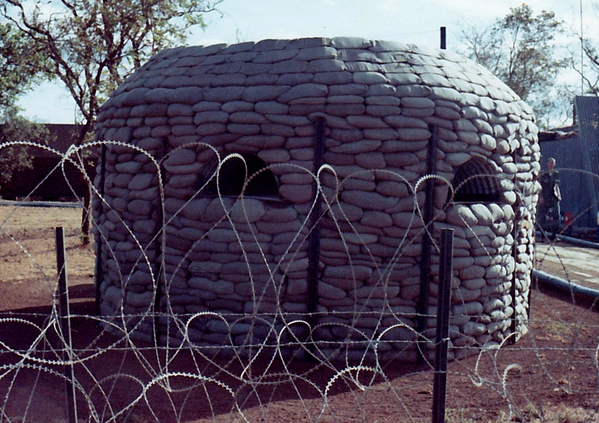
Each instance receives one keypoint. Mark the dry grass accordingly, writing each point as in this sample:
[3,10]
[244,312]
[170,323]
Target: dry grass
[28,254]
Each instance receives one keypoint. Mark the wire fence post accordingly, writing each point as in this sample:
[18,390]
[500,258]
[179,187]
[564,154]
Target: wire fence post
[314,237]
[63,310]
[99,275]
[425,257]
[443,304]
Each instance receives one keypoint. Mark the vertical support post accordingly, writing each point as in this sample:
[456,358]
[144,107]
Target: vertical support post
[425,259]
[513,324]
[443,38]
[158,268]
[516,241]
[314,237]
[63,309]
[443,305]
[99,272]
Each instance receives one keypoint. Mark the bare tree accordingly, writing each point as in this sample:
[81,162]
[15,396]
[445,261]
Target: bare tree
[21,65]
[590,74]
[92,45]
[521,49]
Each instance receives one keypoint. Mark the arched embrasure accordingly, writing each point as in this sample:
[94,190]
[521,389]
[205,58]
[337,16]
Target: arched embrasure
[235,172]
[475,180]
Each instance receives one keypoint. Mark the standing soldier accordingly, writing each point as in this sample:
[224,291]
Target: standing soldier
[549,201]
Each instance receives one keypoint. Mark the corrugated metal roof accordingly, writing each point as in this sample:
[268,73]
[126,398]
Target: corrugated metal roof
[587,113]
[575,181]
[576,149]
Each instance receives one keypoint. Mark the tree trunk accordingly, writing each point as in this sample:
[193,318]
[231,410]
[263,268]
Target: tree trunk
[86,215]
[86,170]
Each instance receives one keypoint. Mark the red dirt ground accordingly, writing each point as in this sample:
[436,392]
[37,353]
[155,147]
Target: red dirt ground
[551,374]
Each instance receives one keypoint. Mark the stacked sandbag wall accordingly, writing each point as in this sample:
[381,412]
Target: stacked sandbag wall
[234,271]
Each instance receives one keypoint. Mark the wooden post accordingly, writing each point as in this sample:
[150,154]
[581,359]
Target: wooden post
[63,309]
[443,305]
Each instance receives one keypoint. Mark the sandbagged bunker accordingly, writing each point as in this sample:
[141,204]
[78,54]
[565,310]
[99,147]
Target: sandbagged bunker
[208,212]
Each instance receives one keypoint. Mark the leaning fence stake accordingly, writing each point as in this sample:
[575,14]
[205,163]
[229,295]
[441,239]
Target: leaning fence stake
[63,309]
[443,304]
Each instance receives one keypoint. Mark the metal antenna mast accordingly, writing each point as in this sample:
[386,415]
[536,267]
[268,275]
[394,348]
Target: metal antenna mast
[581,52]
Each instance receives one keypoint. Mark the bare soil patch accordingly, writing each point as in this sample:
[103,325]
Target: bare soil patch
[28,256]
[551,374]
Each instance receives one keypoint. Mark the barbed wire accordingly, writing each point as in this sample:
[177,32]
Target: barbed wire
[275,365]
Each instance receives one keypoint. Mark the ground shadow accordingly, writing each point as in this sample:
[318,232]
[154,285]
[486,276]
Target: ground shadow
[166,383]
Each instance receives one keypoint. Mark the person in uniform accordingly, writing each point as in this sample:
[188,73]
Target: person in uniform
[548,210]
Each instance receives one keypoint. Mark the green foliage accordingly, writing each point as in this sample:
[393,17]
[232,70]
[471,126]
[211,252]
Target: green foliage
[16,128]
[521,50]
[20,65]
[93,45]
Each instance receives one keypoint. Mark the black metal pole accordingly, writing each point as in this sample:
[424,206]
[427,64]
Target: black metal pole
[314,237]
[63,309]
[443,38]
[99,272]
[516,239]
[513,291]
[158,269]
[425,260]
[443,305]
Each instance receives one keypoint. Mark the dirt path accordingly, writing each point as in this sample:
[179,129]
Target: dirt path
[575,264]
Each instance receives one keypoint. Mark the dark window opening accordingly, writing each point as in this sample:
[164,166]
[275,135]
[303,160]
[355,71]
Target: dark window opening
[475,181]
[235,172]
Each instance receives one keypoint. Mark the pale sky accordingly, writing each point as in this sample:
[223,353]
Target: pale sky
[408,21]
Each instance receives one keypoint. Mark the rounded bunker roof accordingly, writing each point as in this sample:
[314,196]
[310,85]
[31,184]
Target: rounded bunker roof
[195,87]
